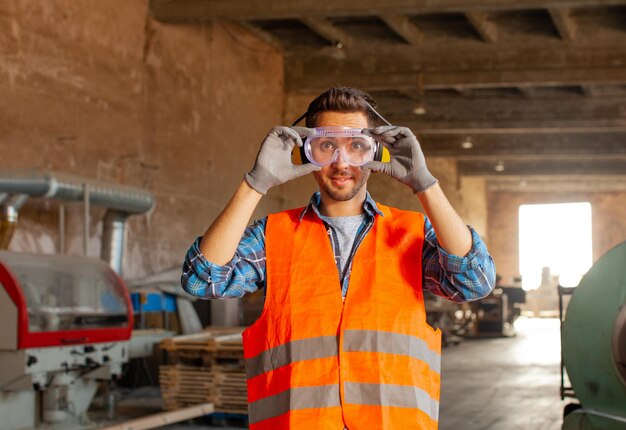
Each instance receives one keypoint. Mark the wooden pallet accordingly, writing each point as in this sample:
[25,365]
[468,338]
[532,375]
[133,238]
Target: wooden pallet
[231,393]
[205,367]
[182,386]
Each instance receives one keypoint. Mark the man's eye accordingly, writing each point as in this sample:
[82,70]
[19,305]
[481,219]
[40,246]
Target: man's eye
[327,145]
[358,145]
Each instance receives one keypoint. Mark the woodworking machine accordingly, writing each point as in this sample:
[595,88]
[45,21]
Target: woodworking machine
[65,324]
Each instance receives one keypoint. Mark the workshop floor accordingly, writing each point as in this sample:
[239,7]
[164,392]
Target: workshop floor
[488,384]
[504,383]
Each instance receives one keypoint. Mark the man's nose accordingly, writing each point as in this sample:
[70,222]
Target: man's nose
[339,162]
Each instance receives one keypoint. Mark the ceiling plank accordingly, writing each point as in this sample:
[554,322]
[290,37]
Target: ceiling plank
[558,184]
[403,27]
[317,79]
[527,91]
[463,55]
[328,31]
[498,108]
[543,167]
[565,25]
[204,10]
[527,146]
[588,90]
[512,127]
[486,28]
[483,65]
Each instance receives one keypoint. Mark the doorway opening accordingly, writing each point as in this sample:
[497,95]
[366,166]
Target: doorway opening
[557,237]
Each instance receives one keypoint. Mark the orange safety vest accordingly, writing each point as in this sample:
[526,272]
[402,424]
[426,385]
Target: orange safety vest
[317,362]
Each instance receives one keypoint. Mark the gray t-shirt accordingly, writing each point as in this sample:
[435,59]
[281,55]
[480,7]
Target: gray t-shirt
[346,228]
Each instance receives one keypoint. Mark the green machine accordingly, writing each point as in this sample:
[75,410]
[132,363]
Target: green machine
[593,339]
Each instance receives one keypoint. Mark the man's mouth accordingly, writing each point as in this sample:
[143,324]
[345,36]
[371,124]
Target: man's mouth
[340,180]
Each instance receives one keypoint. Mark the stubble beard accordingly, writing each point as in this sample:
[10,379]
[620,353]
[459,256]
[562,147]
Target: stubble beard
[342,195]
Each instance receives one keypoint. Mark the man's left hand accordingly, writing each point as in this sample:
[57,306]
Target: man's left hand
[407,164]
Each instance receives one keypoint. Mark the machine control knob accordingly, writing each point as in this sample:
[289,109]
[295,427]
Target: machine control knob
[31,360]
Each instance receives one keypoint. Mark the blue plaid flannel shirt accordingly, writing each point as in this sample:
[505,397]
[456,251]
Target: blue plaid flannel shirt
[459,279]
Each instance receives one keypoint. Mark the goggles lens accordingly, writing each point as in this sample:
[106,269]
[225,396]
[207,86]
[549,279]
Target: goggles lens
[328,143]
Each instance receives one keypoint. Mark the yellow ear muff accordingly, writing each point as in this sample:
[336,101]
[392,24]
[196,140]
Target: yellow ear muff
[385,157]
[298,155]
[382,154]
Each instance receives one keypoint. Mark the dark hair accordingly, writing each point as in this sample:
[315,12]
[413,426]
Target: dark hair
[342,99]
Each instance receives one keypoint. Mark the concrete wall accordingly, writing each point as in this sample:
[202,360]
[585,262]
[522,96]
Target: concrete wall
[97,88]
[608,214]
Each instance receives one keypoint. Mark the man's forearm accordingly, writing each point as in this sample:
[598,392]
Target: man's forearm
[220,241]
[452,233]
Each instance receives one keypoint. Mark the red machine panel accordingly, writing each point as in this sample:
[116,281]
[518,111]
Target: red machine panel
[63,300]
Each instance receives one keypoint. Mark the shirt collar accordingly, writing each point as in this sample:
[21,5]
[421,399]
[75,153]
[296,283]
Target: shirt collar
[369,206]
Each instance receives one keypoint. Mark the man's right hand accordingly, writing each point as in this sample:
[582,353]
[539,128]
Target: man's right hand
[273,163]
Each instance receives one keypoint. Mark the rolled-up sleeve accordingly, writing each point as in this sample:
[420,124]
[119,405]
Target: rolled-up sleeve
[244,274]
[460,279]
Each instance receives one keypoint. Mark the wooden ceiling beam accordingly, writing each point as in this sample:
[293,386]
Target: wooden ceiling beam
[526,146]
[318,79]
[565,25]
[485,28]
[206,10]
[403,27]
[557,184]
[542,167]
[588,90]
[328,31]
[572,106]
[529,126]
[462,56]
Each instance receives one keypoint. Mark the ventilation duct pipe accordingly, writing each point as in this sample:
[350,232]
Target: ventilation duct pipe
[8,217]
[120,200]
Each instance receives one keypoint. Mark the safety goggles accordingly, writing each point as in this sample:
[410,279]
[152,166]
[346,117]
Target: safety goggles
[327,144]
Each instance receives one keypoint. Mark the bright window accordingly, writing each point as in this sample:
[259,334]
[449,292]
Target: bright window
[557,236]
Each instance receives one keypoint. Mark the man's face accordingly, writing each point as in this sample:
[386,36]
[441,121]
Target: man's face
[338,180]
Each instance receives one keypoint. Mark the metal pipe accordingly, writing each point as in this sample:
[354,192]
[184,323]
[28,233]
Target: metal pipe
[114,239]
[61,229]
[61,186]
[121,201]
[8,218]
[86,218]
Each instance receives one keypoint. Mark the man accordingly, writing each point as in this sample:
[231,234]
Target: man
[342,341]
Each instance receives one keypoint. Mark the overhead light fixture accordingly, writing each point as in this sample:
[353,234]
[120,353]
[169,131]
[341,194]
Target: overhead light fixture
[467,143]
[420,109]
[499,167]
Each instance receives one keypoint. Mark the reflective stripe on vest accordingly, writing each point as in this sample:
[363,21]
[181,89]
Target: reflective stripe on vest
[294,399]
[287,353]
[354,340]
[391,343]
[314,361]
[401,396]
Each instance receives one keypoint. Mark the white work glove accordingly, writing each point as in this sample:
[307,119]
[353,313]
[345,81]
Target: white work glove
[407,164]
[273,163]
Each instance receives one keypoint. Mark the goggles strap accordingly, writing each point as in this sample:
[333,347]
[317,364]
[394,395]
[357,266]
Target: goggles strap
[377,114]
[300,118]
